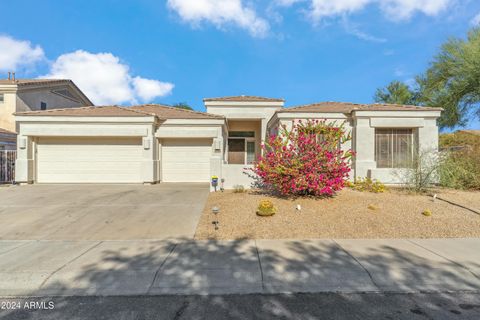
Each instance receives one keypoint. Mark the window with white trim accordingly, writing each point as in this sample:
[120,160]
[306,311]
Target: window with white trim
[394,148]
[2,98]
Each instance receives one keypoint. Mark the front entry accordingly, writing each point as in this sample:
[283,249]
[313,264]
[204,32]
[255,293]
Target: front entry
[241,147]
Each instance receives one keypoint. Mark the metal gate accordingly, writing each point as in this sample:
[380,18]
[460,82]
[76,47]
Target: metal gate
[7,166]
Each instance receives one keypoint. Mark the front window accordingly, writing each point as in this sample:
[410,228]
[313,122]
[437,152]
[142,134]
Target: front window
[394,148]
[2,98]
[43,105]
[241,147]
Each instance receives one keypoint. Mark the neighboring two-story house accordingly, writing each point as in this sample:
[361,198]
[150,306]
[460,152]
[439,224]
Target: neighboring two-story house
[155,143]
[19,95]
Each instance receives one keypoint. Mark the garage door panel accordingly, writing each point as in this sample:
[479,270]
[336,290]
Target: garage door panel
[186,160]
[87,160]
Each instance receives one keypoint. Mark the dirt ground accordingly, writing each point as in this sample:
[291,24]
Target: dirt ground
[470,199]
[396,214]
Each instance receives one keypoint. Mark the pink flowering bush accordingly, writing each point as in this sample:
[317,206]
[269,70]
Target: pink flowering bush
[306,160]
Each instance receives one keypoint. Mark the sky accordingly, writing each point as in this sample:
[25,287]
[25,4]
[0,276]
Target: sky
[168,51]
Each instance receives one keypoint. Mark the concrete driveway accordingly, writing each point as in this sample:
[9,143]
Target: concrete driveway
[100,212]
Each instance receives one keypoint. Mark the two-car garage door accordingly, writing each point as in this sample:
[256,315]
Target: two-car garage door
[119,160]
[89,160]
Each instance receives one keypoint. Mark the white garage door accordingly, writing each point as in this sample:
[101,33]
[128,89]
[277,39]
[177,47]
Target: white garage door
[186,160]
[89,160]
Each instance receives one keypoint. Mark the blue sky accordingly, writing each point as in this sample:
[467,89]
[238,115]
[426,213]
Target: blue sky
[185,50]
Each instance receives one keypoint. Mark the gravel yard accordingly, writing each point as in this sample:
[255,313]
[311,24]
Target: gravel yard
[397,215]
[471,199]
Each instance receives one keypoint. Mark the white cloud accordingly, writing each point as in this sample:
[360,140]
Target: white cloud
[17,53]
[287,3]
[393,9]
[220,13]
[148,89]
[476,20]
[327,8]
[355,31]
[105,79]
[404,9]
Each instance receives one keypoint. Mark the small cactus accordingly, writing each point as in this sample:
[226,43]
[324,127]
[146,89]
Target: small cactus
[427,212]
[266,208]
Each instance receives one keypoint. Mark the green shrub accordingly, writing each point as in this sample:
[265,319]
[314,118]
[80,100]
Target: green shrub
[461,169]
[459,138]
[266,208]
[238,188]
[369,185]
[460,165]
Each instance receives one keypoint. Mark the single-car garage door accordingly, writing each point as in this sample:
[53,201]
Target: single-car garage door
[89,160]
[186,160]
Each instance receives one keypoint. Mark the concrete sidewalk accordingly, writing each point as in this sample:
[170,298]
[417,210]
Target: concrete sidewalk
[146,267]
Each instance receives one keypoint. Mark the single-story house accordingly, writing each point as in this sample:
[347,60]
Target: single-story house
[156,143]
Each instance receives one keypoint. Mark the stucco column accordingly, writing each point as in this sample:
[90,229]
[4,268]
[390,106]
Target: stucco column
[150,157]
[364,146]
[216,160]
[428,145]
[24,164]
[263,133]
[428,136]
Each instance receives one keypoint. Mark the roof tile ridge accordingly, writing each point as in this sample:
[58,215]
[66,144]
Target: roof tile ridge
[186,110]
[134,111]
[58,109]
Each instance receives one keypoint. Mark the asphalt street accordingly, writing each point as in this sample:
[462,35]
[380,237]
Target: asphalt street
[436,306]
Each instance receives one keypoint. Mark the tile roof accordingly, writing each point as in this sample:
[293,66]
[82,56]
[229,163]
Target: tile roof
[167,112]
[245,98]
[346,107]
[104,111]
[160,111]
[32,82]
[5,131]
[26,82]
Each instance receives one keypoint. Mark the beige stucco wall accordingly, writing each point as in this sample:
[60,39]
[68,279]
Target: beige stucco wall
[7,108]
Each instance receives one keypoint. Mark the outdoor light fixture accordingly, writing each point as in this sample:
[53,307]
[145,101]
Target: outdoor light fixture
[215,211]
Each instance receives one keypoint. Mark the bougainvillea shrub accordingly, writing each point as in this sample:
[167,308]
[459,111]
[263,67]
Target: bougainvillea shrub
[306,160]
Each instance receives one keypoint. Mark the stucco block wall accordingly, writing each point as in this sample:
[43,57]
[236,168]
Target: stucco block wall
[236,174]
